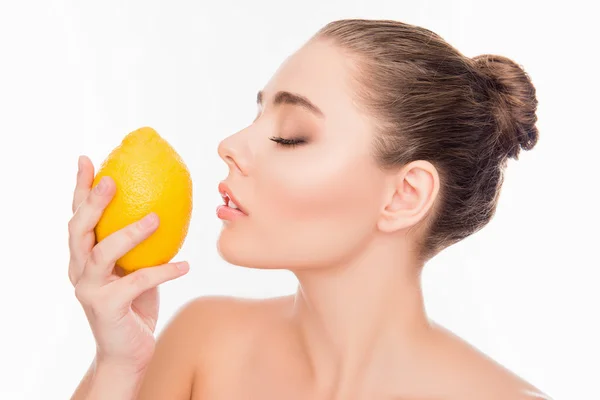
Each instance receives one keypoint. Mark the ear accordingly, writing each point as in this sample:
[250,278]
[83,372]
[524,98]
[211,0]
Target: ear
[410,195]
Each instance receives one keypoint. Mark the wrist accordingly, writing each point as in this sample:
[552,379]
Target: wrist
[119,367]
[117,370]
[116,381]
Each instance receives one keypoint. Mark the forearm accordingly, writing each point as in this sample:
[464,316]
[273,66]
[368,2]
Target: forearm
[108,382]
[84,386]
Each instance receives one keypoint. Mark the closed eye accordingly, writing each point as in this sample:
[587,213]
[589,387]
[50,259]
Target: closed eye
[287,142]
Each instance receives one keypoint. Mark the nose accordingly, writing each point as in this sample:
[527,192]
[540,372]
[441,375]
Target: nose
[230,153]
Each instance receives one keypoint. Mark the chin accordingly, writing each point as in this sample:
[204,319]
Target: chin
[235,248]
[243,254]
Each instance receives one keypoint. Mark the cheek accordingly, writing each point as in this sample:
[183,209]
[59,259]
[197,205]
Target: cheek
[320,208]
[313,190]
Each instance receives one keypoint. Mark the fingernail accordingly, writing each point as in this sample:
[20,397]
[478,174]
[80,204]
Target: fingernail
[79,164]
[149,220]
[101,187]
[183,266]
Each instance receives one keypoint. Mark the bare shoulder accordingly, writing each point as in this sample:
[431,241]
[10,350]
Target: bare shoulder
[216,315]
[226,328]
[473,373]
[223,320]
[204,333]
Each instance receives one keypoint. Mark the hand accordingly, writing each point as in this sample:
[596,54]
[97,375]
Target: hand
[122,310]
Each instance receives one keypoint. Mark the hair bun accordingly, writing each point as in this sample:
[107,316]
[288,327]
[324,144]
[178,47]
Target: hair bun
[510,88]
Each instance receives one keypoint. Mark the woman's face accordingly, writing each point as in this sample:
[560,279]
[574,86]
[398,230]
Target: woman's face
[314,203]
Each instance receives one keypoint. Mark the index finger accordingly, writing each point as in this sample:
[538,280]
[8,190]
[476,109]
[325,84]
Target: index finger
[85,178]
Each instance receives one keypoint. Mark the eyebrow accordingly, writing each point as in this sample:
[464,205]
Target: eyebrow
[283,97]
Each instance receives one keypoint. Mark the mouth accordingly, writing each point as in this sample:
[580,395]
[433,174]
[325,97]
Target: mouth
[229,199]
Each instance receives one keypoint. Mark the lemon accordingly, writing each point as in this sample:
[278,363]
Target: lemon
[150,177]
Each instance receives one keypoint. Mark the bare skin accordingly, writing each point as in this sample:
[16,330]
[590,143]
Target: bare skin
[254,349]
[356,328]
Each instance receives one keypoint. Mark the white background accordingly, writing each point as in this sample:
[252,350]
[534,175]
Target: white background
[76,76]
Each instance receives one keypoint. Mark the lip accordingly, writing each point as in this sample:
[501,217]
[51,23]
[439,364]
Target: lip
[225,192]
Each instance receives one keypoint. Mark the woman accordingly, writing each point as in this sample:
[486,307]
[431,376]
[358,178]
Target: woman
[376,146]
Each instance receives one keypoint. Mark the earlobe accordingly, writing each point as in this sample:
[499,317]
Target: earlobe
[411,193]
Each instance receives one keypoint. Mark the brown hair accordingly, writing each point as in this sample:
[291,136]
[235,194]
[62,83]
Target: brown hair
[430,102]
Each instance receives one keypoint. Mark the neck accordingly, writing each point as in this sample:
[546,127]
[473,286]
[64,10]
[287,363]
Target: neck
[354,316]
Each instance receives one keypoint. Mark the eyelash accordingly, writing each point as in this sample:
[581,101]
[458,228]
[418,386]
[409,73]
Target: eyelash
[287,142]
